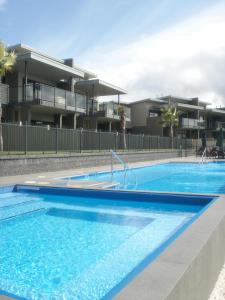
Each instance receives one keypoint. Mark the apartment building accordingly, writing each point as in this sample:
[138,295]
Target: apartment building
[195,118]
[43,90]
[104,116]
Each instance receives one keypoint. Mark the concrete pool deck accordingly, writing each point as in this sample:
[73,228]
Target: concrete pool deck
[52,175]
[187,269]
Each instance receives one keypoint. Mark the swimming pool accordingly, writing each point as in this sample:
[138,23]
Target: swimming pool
[206,178]
[61,243]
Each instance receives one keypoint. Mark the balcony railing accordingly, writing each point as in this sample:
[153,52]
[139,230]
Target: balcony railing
[4,93]
[111,110]
[192,123]
[47,95]
[219,125]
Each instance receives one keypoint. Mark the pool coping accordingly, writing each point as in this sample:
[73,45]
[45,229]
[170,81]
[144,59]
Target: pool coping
[189,266]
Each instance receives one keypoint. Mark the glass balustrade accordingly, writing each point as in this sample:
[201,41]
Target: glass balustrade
[80,101]
[47,95]
[192,123]
[111,109]
[70,99]
[52,96]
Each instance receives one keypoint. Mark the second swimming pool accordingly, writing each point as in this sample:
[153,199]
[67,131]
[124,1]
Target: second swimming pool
[206,178]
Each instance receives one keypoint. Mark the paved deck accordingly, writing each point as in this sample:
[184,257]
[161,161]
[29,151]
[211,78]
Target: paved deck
[50,177]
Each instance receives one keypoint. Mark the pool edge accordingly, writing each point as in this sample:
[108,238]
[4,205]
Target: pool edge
[189,267]
[214,217]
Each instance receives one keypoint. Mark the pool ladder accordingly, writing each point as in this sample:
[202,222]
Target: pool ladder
[203,158]
[126,168]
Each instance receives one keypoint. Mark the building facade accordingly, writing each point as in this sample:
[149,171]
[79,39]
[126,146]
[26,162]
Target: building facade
[195,118]
[43,90]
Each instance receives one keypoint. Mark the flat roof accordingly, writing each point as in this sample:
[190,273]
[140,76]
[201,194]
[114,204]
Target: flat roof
[153,100]
[216,111]
[190,106]
[97,87]
[26,52]
[177,99]
[183,102]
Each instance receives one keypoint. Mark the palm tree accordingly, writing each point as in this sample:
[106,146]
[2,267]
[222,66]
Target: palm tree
[122,115]
[170,118]
[7,60]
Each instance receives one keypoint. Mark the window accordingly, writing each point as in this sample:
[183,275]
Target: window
[153,114]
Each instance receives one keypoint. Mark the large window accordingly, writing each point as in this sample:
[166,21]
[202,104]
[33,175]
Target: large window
[153,114]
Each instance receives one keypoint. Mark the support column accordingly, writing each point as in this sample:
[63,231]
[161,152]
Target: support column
[25,83]
[75,121]
[60,121]
[118,99]
[110,126]
[72,83]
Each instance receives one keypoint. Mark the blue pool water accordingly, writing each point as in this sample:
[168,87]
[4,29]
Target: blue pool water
[171,177]
[64,244]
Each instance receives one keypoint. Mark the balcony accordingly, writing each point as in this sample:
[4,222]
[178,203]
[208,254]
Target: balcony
[192,123]
[110,110]
[41,94]
[4,93]
[219,125]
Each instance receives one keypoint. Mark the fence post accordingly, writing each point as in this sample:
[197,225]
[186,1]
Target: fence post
[99,141]
[115,146]
[181,153]
[185,147]
[128,141]
[81,131]
[158,142]
[26,137]
[143,137]
[56,140]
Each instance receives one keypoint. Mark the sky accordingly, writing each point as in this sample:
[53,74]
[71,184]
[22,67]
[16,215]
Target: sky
[150,48]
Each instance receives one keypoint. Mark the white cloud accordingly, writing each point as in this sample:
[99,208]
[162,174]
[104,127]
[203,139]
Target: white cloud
[187,60]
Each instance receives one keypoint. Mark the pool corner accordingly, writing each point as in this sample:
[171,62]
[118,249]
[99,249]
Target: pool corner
[189,267]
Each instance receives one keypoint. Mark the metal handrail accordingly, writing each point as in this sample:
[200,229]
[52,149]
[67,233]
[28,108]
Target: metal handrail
[203,155]
[113,154]
[125,167]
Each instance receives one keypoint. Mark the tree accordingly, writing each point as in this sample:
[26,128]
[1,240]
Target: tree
[122,115]
[170,118]
[7,60]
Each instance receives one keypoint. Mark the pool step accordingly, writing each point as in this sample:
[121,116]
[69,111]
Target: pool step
[16,210]
[87,184]
[23,214]
[12,199]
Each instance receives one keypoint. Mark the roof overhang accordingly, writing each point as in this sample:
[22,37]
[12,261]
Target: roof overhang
[97,87]
[25,52]
[150,100]
[215,111]
[175,98]
[189,106]
[35,59]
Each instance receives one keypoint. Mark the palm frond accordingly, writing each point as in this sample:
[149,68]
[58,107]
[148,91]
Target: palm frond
[169,116]
[7,59]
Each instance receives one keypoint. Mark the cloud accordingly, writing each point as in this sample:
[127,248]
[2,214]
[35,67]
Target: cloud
[186,59]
